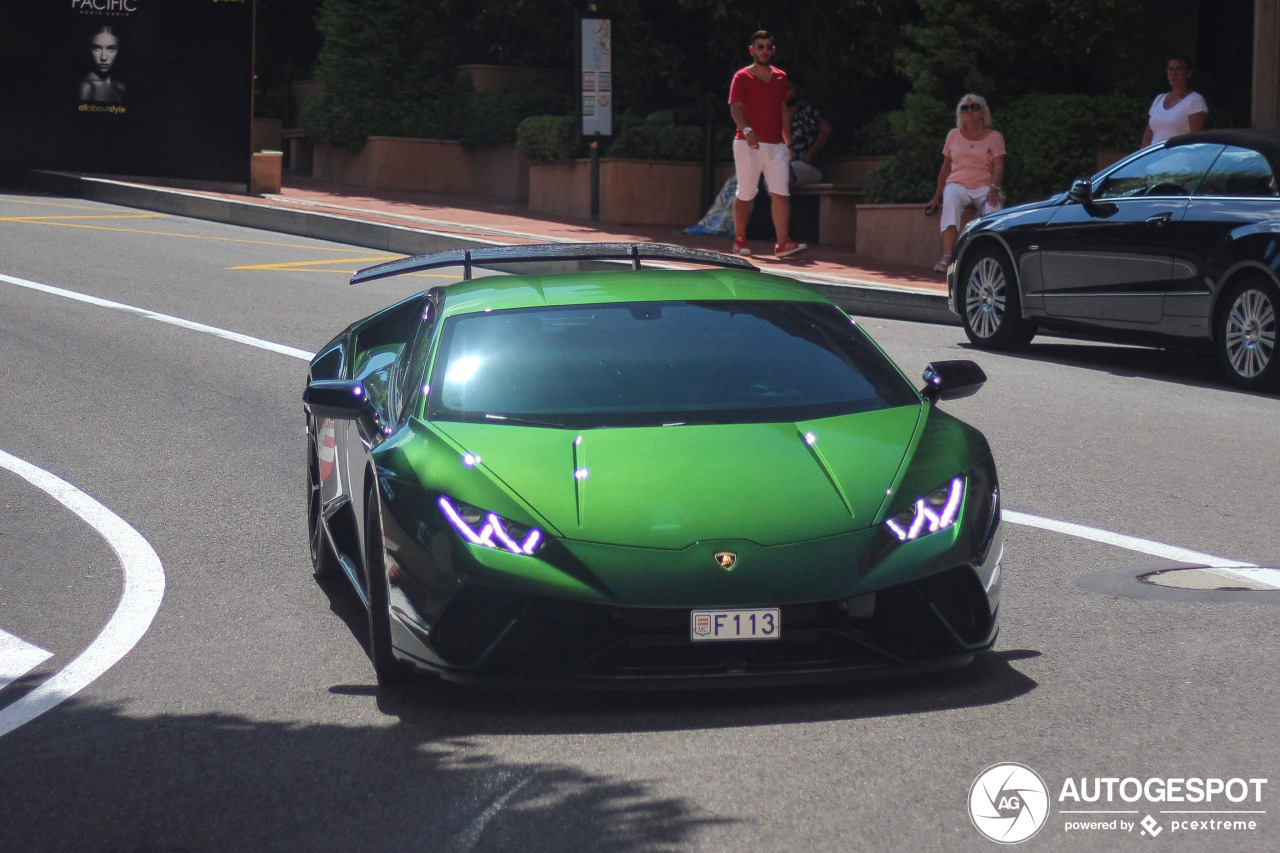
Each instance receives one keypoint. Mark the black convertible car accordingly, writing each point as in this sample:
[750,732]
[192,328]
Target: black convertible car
[1177,244]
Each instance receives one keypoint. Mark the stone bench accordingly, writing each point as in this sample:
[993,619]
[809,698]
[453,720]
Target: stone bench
[826,212]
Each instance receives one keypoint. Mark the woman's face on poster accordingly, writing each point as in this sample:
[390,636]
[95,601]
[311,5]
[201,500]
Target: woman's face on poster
[104,47]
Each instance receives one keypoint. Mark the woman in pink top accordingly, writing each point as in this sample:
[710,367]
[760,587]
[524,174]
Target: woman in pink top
[1180,110]
[972,170]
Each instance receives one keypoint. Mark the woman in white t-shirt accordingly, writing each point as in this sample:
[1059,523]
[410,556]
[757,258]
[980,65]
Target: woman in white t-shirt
[1179,111]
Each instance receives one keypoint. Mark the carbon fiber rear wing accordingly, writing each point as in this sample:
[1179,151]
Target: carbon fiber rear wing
[550,252]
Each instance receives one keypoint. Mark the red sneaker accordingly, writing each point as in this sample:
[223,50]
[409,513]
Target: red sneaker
[790,247]
[740,247]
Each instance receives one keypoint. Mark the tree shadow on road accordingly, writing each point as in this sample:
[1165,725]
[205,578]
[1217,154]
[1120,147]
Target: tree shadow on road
[93,778]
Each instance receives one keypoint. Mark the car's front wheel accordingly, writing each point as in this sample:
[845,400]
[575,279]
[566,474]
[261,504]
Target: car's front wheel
[991,305]
[389,670]
[323,561]
[1245,334]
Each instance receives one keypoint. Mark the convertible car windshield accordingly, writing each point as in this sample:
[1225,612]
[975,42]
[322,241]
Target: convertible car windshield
[649,363]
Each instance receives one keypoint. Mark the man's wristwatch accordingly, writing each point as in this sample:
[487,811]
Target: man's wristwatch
[747,130]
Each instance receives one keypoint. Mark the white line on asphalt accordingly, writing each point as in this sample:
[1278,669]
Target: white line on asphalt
[143,592]
[18,657]
[163,318]
[1130,543]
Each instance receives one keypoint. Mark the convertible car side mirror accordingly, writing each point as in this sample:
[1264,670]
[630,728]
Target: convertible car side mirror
[951,380]
[1081,191]
[343,399]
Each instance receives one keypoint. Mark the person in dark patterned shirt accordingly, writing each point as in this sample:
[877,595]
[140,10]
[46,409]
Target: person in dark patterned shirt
[810,133]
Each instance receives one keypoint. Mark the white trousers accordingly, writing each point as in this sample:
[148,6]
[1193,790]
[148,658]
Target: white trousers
[956,198]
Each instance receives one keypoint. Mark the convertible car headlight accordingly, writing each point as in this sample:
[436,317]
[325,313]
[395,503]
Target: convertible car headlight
[488,529]
[935,511]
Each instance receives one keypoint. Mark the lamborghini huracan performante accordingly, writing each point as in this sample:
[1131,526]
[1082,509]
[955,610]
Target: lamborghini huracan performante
[644,476]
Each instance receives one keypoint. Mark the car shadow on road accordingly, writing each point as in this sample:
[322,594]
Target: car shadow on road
[1197,368]
[438,708]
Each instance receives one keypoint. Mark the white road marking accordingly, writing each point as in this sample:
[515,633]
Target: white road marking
[143,592]
[18,657]
[1130,543]
[163,318]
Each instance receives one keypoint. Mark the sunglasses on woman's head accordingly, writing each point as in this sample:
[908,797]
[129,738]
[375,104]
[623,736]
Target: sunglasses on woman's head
[964,108]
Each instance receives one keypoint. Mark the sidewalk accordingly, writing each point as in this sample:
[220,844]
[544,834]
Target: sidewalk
[418,222]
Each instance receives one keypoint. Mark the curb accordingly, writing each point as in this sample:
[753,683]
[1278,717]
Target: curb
[860,298]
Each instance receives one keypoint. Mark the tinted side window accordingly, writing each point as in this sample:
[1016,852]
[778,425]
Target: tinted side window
[1175,171]
[1240,172]
[409,380]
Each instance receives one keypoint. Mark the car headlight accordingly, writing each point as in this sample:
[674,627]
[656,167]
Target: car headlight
[936,511]
[488,529]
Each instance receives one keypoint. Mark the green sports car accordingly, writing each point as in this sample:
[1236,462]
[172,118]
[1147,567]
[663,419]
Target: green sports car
[645,477]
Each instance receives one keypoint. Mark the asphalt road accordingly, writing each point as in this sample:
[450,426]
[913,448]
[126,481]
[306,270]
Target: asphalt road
[246,716]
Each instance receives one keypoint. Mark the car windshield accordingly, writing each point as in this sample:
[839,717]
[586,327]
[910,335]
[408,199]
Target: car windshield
[651,363]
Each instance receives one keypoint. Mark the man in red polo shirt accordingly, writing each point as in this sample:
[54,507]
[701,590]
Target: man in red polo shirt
[758,104]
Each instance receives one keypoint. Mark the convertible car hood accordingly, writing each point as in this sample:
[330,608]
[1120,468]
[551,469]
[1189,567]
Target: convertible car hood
[668,487]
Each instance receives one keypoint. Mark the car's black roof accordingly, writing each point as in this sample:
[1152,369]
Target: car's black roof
[1266,142]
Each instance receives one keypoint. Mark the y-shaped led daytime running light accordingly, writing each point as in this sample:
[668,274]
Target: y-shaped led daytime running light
[936,511]
[493,534]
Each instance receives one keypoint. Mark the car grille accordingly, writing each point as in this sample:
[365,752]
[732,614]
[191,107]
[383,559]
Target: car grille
[502,635]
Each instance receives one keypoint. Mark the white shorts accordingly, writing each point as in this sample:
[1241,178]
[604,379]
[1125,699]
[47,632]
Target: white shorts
[956,198]
[771,160]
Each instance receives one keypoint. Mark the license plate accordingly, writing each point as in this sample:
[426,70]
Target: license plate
[759,624]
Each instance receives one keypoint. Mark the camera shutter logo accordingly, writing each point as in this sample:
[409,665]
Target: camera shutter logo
[1008,803]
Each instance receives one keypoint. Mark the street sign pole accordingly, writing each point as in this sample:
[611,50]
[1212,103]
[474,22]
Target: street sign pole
[595,83]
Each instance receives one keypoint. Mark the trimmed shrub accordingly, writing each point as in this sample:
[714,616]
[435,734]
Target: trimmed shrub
[1051,140]
[548,139]
[658,141]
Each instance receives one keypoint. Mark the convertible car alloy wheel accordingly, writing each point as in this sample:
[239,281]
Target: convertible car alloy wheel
[1247,335]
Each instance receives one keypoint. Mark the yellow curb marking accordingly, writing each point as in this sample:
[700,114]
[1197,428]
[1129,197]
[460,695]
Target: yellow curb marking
[309,266]
[86,216]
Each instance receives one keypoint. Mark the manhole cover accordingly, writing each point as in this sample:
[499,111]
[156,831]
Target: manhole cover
[1260,579]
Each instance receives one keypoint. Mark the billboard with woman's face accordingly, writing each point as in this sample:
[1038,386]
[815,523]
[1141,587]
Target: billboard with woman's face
[147,88]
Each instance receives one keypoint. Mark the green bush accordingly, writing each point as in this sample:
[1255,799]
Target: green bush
[659,141]
[911,173]
[1054,139]
[548,139]
[485,119]
[1051,140]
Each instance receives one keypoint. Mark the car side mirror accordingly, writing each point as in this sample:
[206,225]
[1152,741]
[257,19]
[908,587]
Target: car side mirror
[343,399]
[1081,191]
[951,380]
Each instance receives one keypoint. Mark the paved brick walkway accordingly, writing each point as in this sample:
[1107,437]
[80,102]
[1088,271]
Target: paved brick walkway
[488,218]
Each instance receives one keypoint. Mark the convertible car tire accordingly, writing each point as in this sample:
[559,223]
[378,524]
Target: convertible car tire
[389,670]
[991,308]
[323,562]
[1245,334]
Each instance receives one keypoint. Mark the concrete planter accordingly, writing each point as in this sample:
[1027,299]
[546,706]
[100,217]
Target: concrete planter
[500,171]
[632,192]
[900,233]
[852,170]
[562,189]
[425,165]
[394,163]
[265,171]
